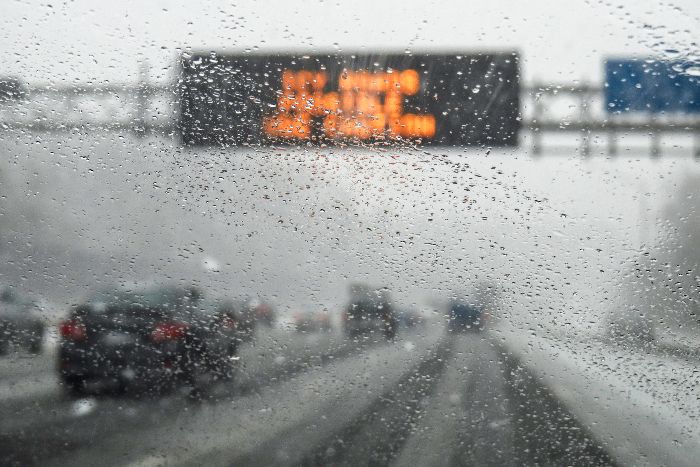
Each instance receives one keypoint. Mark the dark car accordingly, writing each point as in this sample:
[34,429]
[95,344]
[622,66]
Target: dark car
[370,312]
[20,323]
[463,316]
[150,340]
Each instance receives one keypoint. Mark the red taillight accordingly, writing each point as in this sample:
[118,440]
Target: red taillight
[72,330]
[168,332]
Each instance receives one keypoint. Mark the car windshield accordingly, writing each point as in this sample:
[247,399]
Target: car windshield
[349,233]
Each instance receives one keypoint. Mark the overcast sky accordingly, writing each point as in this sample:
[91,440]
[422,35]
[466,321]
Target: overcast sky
[562,41]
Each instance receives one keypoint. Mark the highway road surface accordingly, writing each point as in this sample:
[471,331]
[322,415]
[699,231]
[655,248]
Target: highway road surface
[427,398]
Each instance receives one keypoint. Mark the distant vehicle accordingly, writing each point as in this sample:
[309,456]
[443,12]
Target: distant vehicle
[323,318]
[264,313]
[312,322]
[410,318]
[304,322]
[147,339]
[370,312]
[463,316]
[20,323]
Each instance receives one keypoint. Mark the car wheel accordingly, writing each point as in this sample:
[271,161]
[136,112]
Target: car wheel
[74,386]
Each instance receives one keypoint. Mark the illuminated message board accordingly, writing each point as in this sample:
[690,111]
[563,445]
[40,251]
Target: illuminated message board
[429,99]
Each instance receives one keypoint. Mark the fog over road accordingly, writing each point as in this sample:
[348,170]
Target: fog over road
[297,225]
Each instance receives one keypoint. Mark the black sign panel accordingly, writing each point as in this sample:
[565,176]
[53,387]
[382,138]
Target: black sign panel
[431,99]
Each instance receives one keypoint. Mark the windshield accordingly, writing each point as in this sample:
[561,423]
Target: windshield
[349,233]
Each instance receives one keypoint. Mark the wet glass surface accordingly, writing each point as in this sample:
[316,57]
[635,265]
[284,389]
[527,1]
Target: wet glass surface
[368,234]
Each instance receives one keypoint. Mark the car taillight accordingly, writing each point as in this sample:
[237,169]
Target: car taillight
[168,332]
[72,330]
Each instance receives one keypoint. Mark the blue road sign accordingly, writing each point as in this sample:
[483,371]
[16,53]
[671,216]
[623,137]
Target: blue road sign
[652,86]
